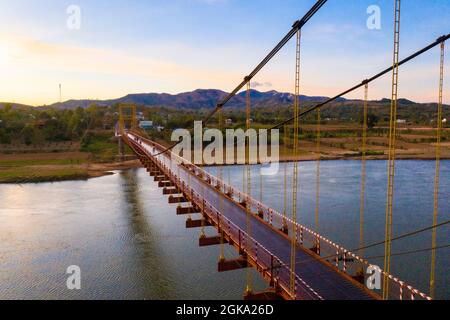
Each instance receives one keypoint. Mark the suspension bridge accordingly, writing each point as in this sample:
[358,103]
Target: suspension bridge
[296,261]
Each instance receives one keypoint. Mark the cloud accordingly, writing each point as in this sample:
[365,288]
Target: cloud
[112,72]
[256,84]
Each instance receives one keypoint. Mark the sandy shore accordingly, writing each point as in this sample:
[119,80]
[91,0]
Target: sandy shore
[96,170]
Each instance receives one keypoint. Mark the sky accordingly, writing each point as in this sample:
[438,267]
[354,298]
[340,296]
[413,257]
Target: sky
[173,46]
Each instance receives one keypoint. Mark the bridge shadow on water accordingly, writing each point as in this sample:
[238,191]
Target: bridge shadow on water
[151,268]
[169,262]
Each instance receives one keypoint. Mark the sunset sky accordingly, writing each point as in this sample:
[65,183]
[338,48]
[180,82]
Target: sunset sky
[180,45]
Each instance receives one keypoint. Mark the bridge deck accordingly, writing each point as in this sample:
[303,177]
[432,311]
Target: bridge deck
[320,280]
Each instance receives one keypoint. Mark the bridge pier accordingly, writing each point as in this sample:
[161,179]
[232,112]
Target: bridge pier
[270,294]
[164,184]
[190,223]
[234,264]
[169,191]
[150,166]
[186,210]
[177,199]
[211,241]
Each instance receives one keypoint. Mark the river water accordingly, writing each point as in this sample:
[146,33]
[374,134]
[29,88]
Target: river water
[129,243]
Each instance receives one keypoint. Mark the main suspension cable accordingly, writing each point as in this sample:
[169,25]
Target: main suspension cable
[356,87]
[298,25]
[363,83]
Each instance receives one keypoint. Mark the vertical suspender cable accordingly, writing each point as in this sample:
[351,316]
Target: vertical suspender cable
[260,185]
[295,173]
[285,227]
[249,288]
[363,169]
[202,232]
[437,173]
[392,142]
[221,200]
[179,179]
[190,194]
[244,185]
[318,133]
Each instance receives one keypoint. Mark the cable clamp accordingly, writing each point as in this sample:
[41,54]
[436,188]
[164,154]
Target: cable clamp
[442,38]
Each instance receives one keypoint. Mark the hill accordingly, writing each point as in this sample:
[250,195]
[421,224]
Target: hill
[197,99]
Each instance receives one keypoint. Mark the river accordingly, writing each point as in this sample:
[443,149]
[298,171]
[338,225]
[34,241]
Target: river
[129,243]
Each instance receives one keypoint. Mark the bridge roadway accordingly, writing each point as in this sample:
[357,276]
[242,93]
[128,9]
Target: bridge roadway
[321,279]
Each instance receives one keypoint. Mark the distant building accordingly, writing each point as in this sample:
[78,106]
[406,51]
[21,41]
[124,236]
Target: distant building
[159,128]
[146,124]
[401,121]
[140,115]
[229,122]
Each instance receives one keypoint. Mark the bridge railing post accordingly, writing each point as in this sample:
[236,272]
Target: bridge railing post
[337,259]
[401,290]
[344,260]
[240,241]
[271,270]
[301,236]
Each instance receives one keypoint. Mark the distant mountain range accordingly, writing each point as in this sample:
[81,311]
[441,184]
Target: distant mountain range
[201,98]
[198,99]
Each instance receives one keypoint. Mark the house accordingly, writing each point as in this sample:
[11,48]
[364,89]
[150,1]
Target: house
[229,122]
[401,121]
[145,124]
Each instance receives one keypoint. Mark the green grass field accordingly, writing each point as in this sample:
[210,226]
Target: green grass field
[31,174]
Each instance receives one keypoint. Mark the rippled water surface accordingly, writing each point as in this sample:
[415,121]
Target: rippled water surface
[130,244]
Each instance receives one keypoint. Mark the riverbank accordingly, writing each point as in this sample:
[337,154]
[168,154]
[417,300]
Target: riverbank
[51,167]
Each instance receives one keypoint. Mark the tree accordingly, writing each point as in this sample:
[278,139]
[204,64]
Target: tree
[28,134]
[372,120]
